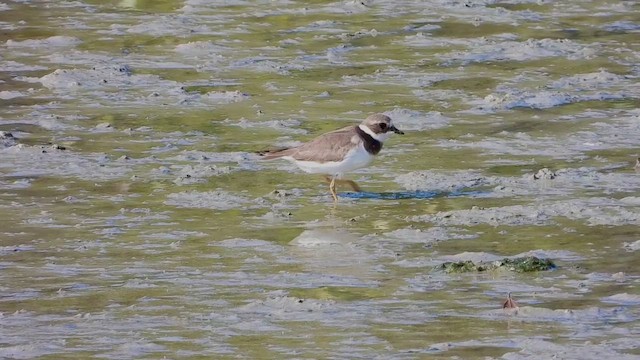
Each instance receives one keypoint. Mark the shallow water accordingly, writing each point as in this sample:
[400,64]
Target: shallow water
[136,221]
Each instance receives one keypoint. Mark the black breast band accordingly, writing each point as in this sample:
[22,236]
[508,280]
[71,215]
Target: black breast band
[372,145]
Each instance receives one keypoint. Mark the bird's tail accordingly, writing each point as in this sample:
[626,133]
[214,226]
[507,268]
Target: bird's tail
[274,154]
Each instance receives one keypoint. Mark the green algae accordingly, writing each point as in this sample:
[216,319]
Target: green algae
[519,265]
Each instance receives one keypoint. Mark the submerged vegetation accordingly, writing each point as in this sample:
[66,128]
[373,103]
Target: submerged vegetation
[520,264]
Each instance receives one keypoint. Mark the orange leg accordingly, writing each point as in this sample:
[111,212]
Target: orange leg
[335,181]
[332,189]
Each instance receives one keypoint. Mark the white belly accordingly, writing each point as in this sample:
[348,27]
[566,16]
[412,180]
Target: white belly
[355,159]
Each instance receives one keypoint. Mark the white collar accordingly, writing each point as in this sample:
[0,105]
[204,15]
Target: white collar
[380,137]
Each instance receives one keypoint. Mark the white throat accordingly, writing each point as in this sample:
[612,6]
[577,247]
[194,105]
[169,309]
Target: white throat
[380,137]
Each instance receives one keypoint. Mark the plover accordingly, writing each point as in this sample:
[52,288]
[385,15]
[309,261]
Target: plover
[334,153]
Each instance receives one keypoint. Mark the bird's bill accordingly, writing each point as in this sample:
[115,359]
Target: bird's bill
[396,130]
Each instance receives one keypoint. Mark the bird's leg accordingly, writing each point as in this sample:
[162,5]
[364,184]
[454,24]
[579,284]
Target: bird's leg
[332,189]
[351,183]
[332,186]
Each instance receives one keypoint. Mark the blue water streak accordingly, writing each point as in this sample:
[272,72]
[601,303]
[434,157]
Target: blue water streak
[401,195]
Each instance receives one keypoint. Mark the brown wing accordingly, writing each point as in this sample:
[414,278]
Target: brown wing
[332,146]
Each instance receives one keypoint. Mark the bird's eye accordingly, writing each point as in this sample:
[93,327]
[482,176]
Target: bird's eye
[383,126]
